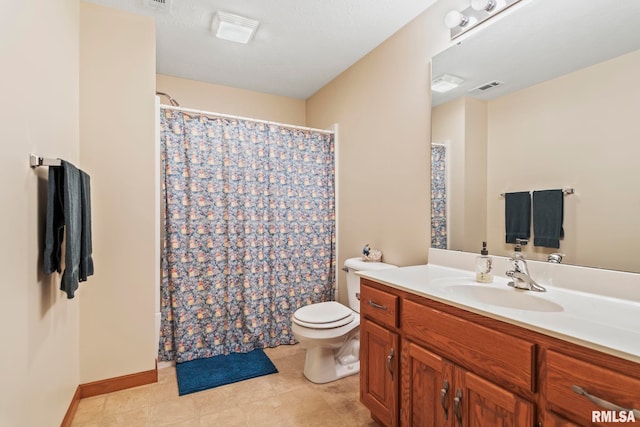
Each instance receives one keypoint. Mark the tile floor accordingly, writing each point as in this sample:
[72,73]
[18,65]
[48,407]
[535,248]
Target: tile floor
[285,399]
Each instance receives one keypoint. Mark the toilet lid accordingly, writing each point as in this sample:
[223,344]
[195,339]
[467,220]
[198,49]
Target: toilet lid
[323,315]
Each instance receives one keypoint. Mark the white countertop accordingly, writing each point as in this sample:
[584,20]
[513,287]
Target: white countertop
[600,322]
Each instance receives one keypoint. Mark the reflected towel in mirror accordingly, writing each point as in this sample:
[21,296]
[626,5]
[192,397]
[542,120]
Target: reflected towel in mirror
[517,214]
[548,215]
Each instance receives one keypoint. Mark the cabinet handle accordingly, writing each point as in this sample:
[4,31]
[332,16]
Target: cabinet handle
[389,358]
[457,402]
[603,403]
[378,306]
[443,399]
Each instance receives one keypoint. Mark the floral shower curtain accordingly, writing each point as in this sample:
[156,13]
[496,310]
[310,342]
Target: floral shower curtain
[438,196]
[249,232]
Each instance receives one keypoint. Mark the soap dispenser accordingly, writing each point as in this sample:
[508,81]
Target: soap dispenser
[484,265]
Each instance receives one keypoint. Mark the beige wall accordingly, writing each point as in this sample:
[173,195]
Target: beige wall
[39,338]
[117,134]
[580,130]
[475,175]
[382,105]
[462,125]
[229,100]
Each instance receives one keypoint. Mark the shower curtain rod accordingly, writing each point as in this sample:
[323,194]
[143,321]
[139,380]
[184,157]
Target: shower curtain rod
[229,116]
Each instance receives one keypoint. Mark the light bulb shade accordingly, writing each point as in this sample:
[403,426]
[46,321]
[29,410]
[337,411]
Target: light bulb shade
[455,18]
[487,5]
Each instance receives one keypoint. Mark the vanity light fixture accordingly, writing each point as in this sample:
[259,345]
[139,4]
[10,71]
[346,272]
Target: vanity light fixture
[233,28]
[445,83]
[481,10]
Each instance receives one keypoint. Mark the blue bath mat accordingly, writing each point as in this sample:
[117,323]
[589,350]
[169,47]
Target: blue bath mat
[203,374]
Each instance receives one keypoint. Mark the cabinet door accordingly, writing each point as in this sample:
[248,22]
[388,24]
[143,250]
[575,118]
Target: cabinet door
[482,403]
[552,420]
[379,372]
[427,385]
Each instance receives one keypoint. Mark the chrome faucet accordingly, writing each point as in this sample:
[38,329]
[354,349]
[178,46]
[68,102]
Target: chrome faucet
[520,272]
[555,258]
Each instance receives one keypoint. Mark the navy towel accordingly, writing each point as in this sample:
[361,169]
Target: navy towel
[54,226]
[548,215]
[86,247]
[68,216]
[517,216]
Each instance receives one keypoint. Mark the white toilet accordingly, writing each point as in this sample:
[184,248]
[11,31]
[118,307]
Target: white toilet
[330,331]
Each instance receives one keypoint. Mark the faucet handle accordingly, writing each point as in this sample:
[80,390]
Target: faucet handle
[555,258]
[522,242]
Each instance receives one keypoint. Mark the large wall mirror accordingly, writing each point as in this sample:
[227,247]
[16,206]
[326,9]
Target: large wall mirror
[564,113]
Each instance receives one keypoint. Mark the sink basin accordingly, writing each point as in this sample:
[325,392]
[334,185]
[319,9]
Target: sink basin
[507,297]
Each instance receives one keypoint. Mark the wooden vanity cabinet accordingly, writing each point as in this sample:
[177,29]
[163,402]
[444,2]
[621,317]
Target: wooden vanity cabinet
[549,419]
[504,359]
[487,404]
[379,354]
[378,361]
[427,383]
[482,368]
[436,392]
[498,374]
[564,375]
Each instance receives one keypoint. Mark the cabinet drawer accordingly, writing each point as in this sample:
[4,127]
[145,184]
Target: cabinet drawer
[564,372]
[504,359]
[379,305]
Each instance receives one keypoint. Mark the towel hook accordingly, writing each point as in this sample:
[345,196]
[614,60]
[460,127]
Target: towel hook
[35,161]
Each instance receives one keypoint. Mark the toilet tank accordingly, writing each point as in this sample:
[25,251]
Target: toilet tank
[353,282]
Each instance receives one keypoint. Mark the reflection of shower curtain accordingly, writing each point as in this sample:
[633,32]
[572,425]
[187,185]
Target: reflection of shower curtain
[438,196]
[249,232]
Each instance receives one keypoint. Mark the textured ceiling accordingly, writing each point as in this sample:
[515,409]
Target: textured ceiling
[300,45]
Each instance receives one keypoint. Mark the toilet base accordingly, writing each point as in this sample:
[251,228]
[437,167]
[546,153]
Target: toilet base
[323,365]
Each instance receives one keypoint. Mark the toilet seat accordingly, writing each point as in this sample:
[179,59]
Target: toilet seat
[324,315]
[323,335]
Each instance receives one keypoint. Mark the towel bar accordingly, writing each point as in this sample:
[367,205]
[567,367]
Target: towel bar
[566,191]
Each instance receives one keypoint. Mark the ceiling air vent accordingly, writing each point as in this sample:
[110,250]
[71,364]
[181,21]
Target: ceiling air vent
[486,86]
[158,5]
